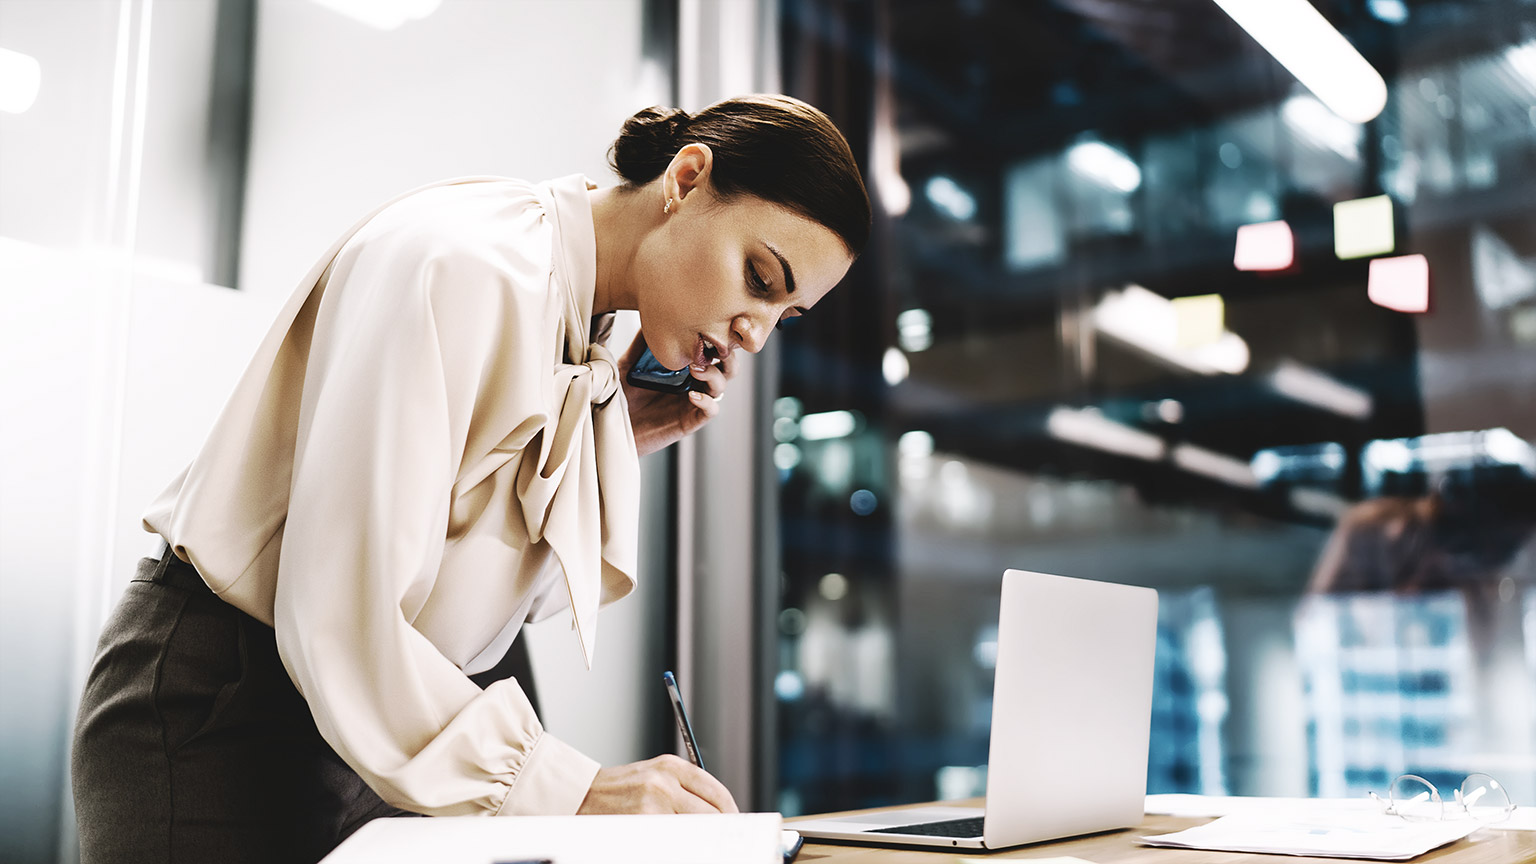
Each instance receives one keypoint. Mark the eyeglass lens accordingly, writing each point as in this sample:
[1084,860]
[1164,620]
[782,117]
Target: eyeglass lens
[1484,798]
[1416,799]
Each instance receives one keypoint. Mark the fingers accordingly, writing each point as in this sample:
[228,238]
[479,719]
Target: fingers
[717,374]
[665,784]
[705,407]
[707,789]
[712,376]
[699,791]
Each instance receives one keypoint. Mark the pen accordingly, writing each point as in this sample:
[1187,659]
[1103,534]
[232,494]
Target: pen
[681,714]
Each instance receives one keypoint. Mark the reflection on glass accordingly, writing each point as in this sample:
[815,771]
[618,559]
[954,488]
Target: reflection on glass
[1265,246]
[1400,284]
[1363,227]
[1046,381]
[1401,642]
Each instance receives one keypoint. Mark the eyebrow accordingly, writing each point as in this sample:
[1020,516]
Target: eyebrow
[789,273]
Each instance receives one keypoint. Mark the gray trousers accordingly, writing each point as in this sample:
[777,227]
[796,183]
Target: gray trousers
[193,746]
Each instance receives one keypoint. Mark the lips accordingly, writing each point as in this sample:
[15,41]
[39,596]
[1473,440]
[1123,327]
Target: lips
[706,351]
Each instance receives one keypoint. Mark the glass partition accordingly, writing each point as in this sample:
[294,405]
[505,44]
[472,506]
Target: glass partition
[1140,307]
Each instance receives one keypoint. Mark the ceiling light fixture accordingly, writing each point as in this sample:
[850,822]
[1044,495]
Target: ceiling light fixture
[1302,40]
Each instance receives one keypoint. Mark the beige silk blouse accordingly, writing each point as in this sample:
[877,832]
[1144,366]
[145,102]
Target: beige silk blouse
[427,423]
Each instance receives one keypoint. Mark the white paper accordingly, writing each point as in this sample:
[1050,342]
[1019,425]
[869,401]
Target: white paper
[1176,804]
[1325,833]
[746,838]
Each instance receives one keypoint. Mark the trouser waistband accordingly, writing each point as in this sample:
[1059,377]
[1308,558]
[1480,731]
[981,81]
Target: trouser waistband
[173,571]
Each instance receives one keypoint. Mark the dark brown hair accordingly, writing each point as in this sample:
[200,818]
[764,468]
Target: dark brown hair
[772,147]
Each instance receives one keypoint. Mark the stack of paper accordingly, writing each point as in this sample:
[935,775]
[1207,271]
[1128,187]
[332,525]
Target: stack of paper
[746,838]
[1324,833]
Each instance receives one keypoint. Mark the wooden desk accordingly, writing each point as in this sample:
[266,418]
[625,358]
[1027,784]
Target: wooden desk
[1486,846]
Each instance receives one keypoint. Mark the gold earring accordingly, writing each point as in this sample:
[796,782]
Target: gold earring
[668,208]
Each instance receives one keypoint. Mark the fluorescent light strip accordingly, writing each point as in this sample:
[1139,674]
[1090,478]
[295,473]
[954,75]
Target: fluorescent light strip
[828,424]
[1217,466]
[1092,429]
[1313,120]
[1444,450]
[1506,447]
[1318,503]
[1302,40]
[1314,388]
[1105,165]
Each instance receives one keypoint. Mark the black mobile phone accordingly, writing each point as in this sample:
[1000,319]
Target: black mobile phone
[651,375]
[791,841]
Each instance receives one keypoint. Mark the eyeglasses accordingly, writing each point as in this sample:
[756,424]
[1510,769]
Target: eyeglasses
[1417,800]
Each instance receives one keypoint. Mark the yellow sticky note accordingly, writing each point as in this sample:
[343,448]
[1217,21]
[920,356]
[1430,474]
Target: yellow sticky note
[1363,227]
[1199,320]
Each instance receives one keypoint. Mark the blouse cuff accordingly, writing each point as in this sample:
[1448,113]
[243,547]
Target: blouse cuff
[553,782]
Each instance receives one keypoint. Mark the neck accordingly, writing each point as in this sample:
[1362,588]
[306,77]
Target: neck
[620,218]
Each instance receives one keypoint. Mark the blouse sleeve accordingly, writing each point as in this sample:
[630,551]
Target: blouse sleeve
[402,353]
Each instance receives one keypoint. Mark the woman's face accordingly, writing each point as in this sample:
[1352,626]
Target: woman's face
[720,275]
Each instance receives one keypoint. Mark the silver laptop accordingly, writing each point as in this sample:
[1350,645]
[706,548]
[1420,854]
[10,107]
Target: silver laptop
[1071,715]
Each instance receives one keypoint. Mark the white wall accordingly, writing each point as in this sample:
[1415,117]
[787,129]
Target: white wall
[90,434]
[346,116]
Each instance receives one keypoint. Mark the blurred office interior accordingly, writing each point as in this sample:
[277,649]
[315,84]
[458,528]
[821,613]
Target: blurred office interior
[1140,306]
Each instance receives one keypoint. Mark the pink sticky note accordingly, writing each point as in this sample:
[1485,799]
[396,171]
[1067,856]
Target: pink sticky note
[1265,246]
[1400,283]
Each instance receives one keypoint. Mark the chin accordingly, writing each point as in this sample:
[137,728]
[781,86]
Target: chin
[672,356]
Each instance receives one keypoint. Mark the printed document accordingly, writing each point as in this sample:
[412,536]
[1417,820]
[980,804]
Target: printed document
[1325,833]
[737,838]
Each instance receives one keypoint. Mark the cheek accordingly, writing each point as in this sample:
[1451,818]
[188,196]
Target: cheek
[699,282]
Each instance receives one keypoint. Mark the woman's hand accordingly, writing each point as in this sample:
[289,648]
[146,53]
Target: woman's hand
[662,418]
[665,784]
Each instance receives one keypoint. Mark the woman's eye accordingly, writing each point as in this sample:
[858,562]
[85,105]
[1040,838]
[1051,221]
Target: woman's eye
[754,281]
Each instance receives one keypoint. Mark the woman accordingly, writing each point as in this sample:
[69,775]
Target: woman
[432,419]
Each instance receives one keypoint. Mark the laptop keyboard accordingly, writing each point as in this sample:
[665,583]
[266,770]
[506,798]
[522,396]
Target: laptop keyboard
[968,827]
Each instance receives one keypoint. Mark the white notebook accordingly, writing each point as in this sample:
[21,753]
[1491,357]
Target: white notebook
[745,838]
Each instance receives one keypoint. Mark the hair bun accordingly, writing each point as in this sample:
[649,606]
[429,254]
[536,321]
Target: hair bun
[647,143]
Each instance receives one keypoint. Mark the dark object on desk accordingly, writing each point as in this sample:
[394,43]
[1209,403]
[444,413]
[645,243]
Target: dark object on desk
[528,861]
[792,842]
[652,375]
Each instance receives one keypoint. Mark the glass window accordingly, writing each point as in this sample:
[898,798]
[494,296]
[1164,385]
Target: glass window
[1051,360]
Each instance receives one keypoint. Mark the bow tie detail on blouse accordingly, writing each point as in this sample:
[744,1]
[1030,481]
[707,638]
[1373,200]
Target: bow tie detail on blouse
[581,493]
[603,370]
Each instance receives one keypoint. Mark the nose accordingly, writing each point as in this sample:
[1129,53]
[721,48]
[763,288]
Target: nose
[749,333]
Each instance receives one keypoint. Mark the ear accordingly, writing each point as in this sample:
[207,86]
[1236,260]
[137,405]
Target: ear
[688,172]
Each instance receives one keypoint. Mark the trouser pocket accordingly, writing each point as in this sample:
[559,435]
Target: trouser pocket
[200,676]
